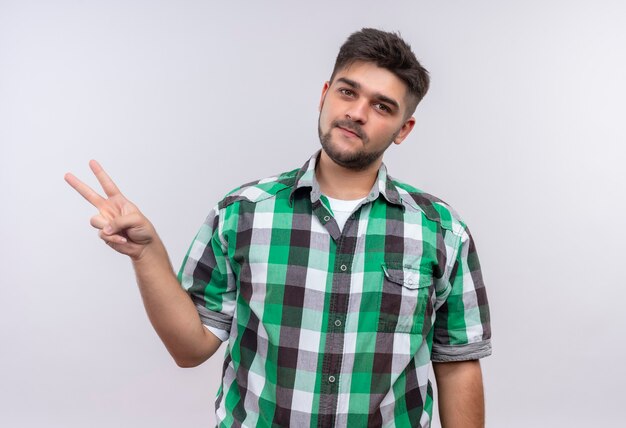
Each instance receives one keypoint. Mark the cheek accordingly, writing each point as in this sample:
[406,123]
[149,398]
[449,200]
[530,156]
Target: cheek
[383,130]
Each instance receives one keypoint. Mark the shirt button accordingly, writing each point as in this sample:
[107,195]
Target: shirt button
[337,323]
[343,268]
[410,282]
[331,379]
[326,218]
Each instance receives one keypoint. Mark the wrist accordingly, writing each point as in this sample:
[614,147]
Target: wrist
[151,253]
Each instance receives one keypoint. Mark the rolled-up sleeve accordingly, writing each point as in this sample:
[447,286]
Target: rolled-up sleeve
[462,329]
[207,276]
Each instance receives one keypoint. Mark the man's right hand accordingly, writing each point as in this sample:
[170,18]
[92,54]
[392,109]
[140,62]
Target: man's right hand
[122,226]
[125,229]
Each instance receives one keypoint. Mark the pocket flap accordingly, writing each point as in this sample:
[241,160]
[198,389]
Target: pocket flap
[407,276]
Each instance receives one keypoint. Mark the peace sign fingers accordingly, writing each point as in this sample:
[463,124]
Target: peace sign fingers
[85,191]
[120,222]
[109,187]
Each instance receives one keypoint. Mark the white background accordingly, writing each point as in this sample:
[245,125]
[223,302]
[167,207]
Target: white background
[522,132]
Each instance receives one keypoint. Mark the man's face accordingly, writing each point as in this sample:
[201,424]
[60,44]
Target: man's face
[362,111]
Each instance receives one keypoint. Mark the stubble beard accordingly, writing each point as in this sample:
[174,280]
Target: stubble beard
[357,160]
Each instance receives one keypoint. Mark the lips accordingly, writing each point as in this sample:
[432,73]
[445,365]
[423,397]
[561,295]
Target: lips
[349,131]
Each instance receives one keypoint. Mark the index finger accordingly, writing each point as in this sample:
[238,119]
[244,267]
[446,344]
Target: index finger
[107,184]
[85,191]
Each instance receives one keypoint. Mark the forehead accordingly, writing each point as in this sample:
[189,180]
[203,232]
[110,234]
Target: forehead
[374,80]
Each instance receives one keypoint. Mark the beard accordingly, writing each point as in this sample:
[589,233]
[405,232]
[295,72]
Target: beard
[356,160]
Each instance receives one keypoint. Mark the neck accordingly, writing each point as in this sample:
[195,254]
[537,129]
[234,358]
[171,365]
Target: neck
[339,182]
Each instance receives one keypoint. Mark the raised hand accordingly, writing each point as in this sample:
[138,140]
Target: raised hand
[171,311]
[122,226]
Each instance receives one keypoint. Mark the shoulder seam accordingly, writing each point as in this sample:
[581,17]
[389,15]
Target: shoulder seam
[406,196]
[282,182]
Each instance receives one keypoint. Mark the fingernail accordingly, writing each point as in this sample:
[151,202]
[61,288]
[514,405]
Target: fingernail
[123,240]
[108,229]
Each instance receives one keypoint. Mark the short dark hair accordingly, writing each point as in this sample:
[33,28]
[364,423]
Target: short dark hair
[389,51]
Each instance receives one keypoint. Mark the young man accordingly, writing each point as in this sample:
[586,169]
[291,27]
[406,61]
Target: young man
[334,285]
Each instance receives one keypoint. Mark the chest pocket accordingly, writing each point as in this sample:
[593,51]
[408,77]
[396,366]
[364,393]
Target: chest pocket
[405,302]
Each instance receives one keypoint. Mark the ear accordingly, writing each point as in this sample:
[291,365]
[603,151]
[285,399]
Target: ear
[406,129]
[324,90]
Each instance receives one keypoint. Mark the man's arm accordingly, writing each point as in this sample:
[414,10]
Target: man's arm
[170,310]
[460,394]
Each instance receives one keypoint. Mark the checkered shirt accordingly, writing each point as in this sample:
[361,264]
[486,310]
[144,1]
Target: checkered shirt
[328,327]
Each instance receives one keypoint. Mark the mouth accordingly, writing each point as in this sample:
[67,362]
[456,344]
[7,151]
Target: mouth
[348,132]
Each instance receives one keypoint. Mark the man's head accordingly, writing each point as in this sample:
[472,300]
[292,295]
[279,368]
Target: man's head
[367,105]
[389,51]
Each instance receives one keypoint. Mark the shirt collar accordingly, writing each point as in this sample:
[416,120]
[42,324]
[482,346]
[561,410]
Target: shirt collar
[305,178]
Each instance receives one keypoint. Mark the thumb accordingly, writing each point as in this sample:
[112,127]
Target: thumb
[124,222]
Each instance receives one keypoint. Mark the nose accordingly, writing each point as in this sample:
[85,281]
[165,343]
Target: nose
[357,112]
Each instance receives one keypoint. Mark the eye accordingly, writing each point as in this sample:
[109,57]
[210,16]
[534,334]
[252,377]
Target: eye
[347,92]
[382,107]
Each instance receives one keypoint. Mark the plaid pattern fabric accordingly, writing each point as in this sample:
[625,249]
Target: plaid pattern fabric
[329,328]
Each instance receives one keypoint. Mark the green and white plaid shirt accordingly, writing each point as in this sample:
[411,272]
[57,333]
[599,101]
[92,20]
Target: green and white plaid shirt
[329,327]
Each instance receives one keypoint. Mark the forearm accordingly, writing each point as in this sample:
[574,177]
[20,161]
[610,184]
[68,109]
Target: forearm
[170,310]
[460,393]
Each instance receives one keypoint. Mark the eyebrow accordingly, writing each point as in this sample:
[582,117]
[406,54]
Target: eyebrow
[377,96]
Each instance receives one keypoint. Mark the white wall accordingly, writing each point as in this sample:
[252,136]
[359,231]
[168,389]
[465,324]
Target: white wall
[522,132]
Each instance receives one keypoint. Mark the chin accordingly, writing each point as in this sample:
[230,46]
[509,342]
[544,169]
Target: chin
[355,160]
